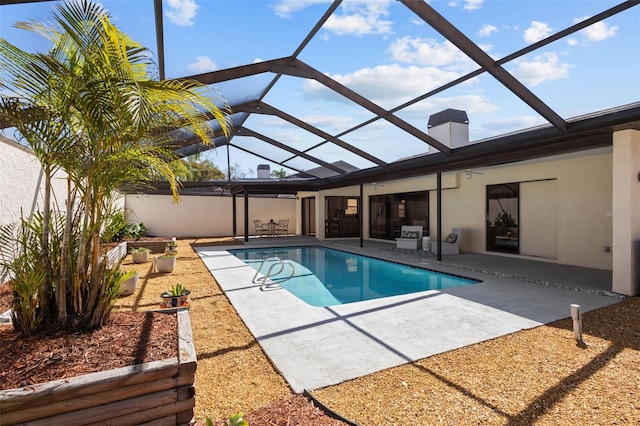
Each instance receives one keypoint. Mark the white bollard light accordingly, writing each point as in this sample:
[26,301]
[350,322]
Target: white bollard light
[577,321]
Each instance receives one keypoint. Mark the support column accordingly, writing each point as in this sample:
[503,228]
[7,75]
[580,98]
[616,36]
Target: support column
[439,215]
[626,212]
[246,216]
[361,212]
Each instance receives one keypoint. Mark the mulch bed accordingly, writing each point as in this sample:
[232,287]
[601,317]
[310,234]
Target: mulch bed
[296,410]
[128,338]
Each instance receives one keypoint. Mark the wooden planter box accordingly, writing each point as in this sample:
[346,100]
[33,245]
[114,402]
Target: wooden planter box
[160,392]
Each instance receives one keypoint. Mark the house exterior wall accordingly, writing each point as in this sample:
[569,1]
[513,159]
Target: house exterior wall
[204,216]
[563,205]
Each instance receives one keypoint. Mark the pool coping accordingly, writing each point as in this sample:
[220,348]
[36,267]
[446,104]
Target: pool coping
[317,347]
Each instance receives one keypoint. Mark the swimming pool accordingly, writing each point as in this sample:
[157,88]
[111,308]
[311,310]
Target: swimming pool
[327,277]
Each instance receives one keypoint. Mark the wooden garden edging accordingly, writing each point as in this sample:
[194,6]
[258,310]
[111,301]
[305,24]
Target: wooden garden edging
[161,392]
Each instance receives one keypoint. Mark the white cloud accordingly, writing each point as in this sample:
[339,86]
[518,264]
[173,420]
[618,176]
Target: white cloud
[473,104]
[386,85]
[286,8]
[501,126]
[487,30]
[598,31]
[468,4]
[360,18]
[536,32]
[472,4]
[328,123]
[428,52]
[544,67]
[182,12]
[202,64]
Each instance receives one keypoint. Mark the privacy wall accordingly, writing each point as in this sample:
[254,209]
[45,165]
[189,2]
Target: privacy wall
[204,216]
[22,182]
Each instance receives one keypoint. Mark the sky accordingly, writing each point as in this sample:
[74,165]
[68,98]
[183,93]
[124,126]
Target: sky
[381,50]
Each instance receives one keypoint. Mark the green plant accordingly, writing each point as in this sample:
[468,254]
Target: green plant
[140,250]
[505,220]
[135,230]
[115,229]
[91,106]
[177,290]
[234,420]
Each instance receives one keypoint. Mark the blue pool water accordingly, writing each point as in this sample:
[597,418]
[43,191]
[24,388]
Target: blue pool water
[326,277]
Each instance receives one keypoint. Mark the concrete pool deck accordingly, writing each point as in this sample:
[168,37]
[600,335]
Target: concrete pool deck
[316,347]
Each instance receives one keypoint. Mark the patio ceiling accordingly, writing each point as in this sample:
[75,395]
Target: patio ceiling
[310,146]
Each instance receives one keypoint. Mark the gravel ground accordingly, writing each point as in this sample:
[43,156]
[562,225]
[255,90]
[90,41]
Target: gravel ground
[540,376]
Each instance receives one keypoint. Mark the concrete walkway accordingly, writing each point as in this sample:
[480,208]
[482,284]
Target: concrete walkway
[315,347]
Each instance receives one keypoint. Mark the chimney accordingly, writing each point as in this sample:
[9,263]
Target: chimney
[264,171]
[450,127]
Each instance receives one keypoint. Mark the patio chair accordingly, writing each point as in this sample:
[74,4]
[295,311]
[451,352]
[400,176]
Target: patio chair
[450,245]
[282,228]
[261,229]
[410,237]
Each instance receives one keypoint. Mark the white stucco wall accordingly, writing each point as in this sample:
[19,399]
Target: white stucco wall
[22,182]
[625,212]
[204,216]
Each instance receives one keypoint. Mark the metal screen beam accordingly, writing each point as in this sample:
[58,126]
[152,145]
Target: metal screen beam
[455,36]
[298,68]
[264,108]
[247,132]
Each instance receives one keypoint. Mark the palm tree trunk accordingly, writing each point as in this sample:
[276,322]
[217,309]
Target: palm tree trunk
[45,287]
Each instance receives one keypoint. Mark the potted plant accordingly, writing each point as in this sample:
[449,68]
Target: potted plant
[140,254]
[176,297]
[166,262]
[129,283]
[171,247]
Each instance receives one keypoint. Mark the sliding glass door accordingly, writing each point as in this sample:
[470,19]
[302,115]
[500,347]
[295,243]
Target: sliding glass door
[503,208]
[342,217]
[389,212]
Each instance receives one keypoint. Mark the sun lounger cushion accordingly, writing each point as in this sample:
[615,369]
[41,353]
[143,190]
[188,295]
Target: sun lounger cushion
[409,234]
[451,239]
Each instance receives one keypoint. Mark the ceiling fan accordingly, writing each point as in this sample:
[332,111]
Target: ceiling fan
[468,173]
[375,185]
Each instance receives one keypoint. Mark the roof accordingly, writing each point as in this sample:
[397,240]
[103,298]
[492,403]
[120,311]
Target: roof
[327,101]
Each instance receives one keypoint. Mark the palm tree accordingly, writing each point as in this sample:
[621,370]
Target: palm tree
[90,106]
